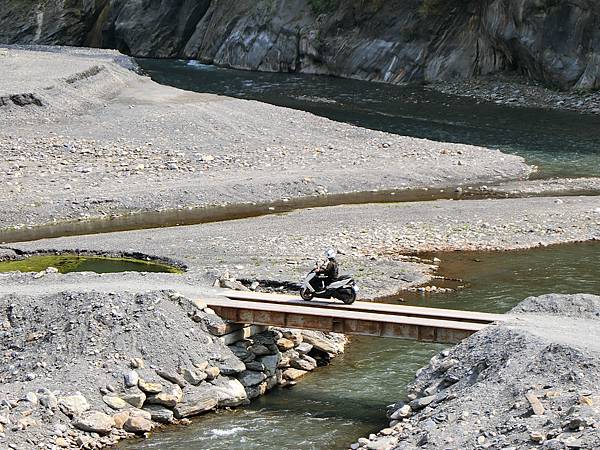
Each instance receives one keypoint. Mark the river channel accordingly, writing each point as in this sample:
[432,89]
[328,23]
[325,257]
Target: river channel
[336,405]
[561,143]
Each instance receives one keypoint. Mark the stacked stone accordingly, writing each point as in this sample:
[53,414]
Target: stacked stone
[278,357]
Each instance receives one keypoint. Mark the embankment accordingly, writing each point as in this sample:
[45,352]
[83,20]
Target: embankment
[531,381]
[86,369]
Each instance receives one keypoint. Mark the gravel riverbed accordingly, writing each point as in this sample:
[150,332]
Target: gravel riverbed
[107,141]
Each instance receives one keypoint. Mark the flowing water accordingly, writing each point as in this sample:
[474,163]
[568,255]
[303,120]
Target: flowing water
[337,404]
[561,143]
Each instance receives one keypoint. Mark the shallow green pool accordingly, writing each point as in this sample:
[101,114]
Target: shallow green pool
[76,263]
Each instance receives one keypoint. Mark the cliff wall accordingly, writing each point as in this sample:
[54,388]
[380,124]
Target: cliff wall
[394,41]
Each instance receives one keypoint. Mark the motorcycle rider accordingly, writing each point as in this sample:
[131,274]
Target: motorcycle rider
[329,269]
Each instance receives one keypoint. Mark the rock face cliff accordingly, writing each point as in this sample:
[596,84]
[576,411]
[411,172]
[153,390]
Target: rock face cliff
[394,41]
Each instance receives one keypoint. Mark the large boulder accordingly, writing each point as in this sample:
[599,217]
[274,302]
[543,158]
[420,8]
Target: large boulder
[94,422]
[195,405]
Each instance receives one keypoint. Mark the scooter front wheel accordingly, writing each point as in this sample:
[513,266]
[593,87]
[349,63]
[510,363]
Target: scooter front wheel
[350,298]
[306,294]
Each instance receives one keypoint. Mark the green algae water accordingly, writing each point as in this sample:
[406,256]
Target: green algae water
[76,263]
[561,143]
[334,406]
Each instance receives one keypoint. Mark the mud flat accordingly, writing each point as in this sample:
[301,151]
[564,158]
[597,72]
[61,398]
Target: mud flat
[103,140]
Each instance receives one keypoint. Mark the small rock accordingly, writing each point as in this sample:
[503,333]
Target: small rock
[137,363]
[73,405]
[149,388]
[137,425]
[293,374]
[131,378]
[193,377]
[212,372]
[284,344]
[115,402]
[536,436]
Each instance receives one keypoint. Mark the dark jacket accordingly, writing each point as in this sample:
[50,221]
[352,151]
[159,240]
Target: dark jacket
[331,270]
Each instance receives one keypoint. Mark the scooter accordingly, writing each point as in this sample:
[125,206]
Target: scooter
[343,288]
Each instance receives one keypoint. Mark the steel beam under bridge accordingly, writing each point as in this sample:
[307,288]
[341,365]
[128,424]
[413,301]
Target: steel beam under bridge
[361,318]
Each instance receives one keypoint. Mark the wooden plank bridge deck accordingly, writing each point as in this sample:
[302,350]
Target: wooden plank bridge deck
[361,318]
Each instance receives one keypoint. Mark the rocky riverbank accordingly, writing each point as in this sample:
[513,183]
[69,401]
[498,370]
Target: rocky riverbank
[83,369]
[515,90]
[531,382]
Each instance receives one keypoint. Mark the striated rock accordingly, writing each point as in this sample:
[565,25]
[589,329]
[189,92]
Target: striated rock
[251,378]
[159,413]
[322,343]
[135,399]
[173,377]
[302,364]
[304,348]
[393,41]
[195,405]
[194,377]
[94,422]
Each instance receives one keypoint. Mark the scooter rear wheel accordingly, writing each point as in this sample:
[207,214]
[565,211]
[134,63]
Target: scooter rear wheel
[306,294]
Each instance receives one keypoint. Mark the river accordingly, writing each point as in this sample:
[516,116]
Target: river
[336,405]
[561,143]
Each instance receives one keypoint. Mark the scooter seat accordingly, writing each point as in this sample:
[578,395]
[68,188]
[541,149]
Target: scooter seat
[343,277]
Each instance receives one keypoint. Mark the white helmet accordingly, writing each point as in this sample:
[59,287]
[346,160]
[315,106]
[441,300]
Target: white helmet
[330,253]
